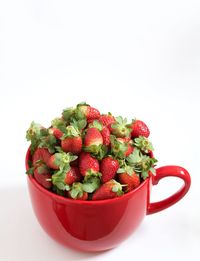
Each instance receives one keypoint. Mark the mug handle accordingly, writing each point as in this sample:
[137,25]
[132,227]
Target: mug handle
[169,171]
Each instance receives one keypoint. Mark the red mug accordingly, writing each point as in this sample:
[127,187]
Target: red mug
[104,224]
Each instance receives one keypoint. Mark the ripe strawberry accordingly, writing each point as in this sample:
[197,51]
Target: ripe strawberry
[43,176]
[53,162]
[128,177]
[120,128]
[90,112]
[107,120]
[129,149]
[77,192]
[56,132]
[71,140]
[73,175]
[41,154]
[139,128]
[103,130]
[93,137]
[72,144]
[108,168]
[110,189]
[87,163]
[106,136]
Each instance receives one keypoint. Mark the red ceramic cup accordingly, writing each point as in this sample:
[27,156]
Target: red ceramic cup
[103,224]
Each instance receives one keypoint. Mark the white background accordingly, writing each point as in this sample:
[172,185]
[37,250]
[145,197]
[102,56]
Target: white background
[134,58]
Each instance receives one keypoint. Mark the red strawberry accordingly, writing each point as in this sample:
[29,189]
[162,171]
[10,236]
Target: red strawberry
[106,136]
[87,163]
[110,189]
[72,144]
[107,120]
[103,130]
[108,168]
[41,154]
[53,163]
[139,128]
[43,176]
[128,177]
[73,175]
[90,112]
[56,132]
[129,149]
[93,137]
[77,192]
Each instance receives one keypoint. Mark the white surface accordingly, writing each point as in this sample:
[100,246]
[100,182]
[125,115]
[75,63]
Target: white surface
[138,59]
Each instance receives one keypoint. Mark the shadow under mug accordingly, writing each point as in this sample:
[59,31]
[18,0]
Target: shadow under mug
[104,224]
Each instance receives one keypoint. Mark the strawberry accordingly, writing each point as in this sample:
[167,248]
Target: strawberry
[139,128]
[89,112]
[87,163]
[108,168]
[127,176]
[107,120]
[41,154]
[93,137]
[72,144]
[121,147]
[120,128]
[93,142]
[73,175]
[43,176]
[106,136]
[105,132]
[77,192]
[110,189]
[60,160]
[71,140]
[56,132]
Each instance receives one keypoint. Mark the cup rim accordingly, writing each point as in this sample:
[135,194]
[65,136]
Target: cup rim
[62,199]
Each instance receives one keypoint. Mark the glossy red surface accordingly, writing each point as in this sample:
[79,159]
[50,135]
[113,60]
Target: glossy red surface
[103,224]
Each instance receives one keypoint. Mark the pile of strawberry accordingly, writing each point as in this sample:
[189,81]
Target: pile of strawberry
[86,155]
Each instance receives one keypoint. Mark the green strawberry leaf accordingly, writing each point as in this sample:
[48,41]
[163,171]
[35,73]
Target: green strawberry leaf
[140,163]
[79,124]
[58,179]
[118,148]
[63,159]
[59,124]
[48,142]
[121,170]
[98,151]
[58,191]
[143,144]
[30,171]
[71,131]
[96,124]
[76,190]
[91,183]
[120,128]
[117,188]
[67,114]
